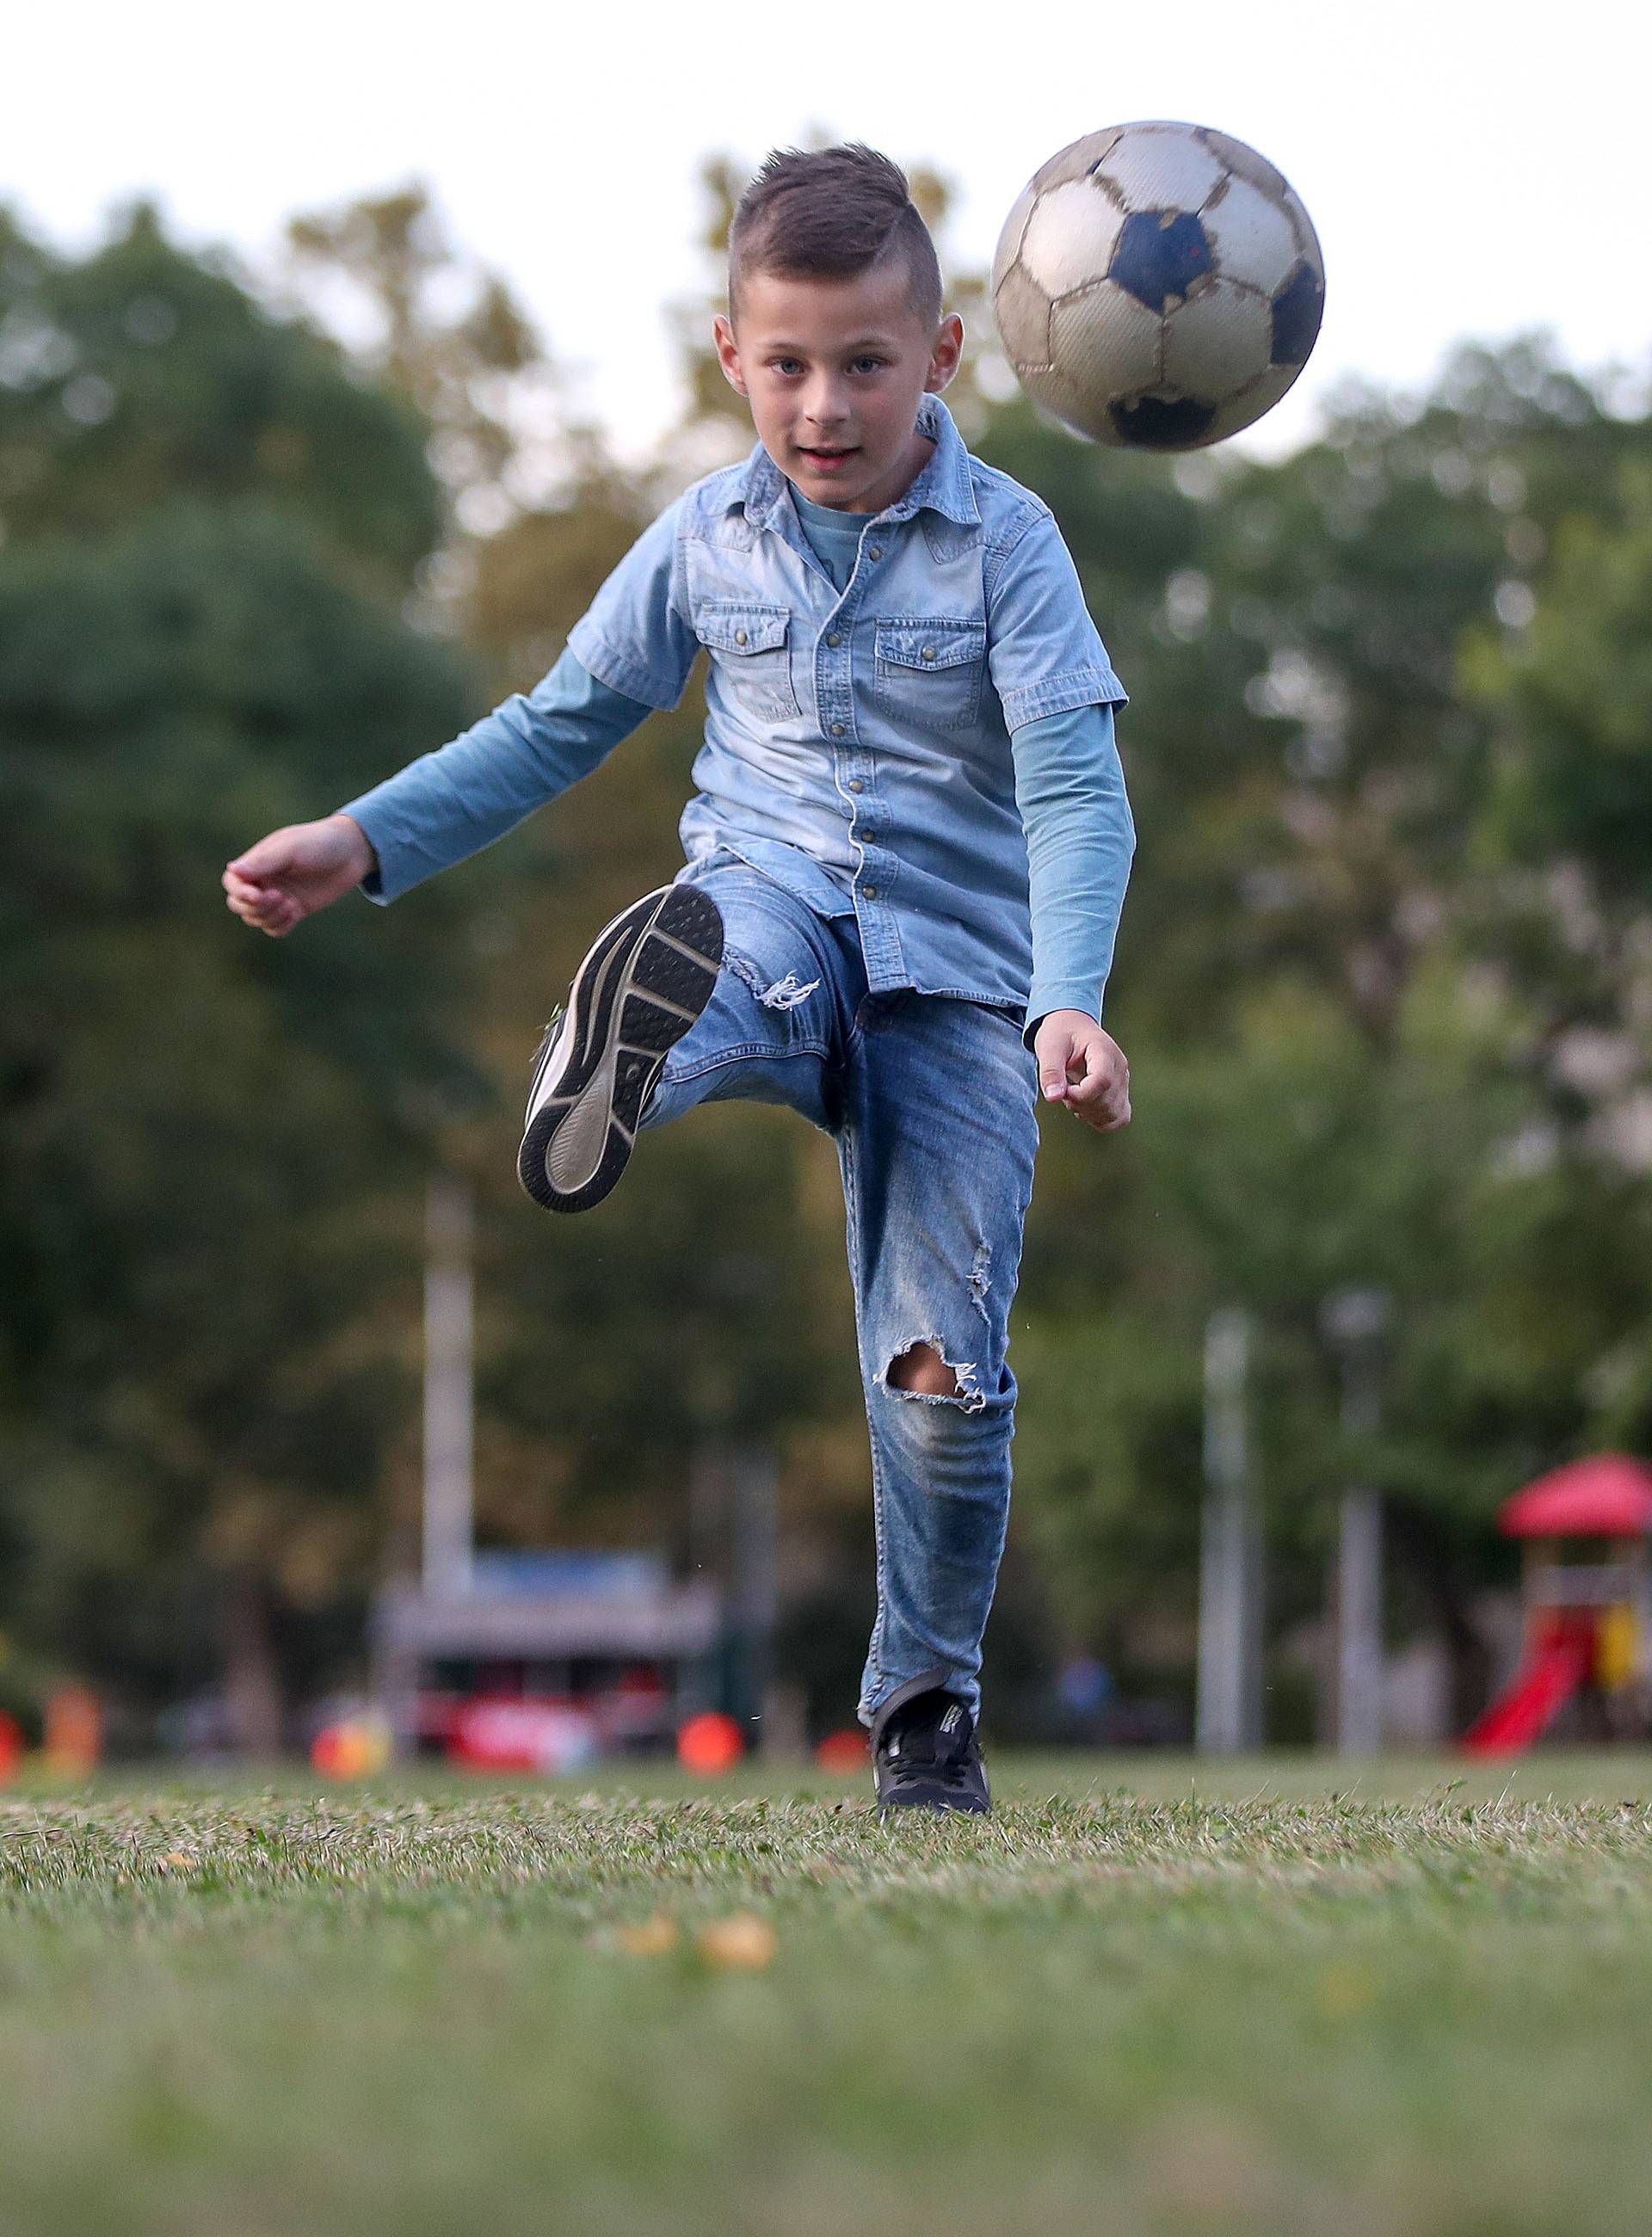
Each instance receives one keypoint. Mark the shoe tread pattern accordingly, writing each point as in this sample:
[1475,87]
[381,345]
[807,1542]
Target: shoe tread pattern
[669,946]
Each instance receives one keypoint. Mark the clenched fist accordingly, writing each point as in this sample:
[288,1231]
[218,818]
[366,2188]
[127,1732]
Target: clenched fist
[1085,1068]
[296,871]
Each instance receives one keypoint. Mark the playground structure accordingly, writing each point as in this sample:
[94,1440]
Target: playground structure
[1587,1586]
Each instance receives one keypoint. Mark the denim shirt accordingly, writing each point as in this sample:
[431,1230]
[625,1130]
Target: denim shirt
[858,743]
[886,749]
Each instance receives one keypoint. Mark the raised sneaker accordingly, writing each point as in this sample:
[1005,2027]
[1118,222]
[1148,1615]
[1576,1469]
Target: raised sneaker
[925,1755]
[646,980]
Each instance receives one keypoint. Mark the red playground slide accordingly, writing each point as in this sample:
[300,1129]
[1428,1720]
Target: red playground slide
[1549,1677]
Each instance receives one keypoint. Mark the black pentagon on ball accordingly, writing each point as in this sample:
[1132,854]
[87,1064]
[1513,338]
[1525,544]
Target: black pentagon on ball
[1297,309]
[1162,423]
[1158,255]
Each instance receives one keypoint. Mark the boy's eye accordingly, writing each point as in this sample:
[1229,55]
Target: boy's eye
[787,365]
[868,364]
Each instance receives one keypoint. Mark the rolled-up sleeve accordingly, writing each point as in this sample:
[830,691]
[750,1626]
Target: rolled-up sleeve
[637,637]
[1044,653]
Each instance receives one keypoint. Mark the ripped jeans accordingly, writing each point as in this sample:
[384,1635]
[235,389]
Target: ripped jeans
[931,1100]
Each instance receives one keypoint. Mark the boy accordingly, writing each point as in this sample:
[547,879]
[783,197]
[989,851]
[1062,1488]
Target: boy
[906,859]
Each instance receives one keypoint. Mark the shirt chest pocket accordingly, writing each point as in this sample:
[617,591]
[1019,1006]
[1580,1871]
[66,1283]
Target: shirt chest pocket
[931,671]
[750,654]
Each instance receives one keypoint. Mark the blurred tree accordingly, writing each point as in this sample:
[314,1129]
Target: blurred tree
[142,374]
[1316,939]
[1568,685]
[212,1146]
[472,373]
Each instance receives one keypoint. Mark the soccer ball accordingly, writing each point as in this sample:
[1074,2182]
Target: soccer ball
[1157,286]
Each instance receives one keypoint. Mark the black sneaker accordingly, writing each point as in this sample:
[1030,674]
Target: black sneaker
[647,977]
[925,1755]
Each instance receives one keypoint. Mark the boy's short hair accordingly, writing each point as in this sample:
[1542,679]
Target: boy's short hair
[830,214]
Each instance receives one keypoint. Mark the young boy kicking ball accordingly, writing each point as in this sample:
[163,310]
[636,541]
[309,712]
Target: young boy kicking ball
[906,859]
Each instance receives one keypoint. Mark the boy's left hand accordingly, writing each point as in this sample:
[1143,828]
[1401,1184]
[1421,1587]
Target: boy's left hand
[1081,1065]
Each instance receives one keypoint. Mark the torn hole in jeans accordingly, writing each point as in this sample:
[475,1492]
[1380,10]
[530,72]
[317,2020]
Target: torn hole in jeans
[784,993]
[966,1393]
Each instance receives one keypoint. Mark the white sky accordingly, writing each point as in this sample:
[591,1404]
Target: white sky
[1472,168]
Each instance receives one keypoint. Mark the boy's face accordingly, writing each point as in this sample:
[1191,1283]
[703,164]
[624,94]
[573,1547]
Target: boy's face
[834,370]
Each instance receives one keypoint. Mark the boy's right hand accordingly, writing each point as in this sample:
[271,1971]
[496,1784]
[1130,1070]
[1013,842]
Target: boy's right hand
[296,871]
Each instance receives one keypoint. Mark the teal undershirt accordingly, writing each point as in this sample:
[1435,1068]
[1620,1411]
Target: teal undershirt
[834,537]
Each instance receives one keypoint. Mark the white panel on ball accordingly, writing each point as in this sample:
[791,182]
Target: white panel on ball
[1010,240]
[1070,237]
[1252,238]
[1257,397]
[1242,160]
[1217,342]
[1076,161]
[1162,166]
[1057,397]
[1104,326]
[1023,313]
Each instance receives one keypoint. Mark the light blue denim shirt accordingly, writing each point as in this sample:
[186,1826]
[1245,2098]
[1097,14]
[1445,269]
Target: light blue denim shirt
[863,745]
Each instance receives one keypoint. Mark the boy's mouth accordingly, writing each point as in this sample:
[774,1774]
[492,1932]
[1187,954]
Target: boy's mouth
[826,461]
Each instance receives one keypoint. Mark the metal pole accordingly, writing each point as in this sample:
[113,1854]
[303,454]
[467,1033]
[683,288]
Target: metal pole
[1229,1715]
[1359,1625]
[752,1594]
[1355,1321]
[448,1390]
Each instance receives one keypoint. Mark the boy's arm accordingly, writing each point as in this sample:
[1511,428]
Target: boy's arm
[1081,840]
[631,653]
[527,752]
[1070,787]
[1058,691]
[440,808]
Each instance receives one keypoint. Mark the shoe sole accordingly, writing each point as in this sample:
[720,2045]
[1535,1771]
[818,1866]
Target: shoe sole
[646,980]
[950,1806]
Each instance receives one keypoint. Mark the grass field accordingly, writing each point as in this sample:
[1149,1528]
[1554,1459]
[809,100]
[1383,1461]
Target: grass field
[1145,1997]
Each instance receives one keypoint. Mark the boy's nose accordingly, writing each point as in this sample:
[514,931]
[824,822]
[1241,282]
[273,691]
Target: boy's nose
[825,408]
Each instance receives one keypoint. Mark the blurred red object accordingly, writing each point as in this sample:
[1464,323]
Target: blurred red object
[1608,1495]
[540,1736]
[74,1738]
[355,1748]
[843,1751]
[11,1747]
[710,1744]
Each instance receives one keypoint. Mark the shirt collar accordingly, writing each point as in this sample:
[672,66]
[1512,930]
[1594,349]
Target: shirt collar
[944,486]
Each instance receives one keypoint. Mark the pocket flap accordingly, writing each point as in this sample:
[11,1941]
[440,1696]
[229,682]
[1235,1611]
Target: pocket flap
[741,629]
[949,643]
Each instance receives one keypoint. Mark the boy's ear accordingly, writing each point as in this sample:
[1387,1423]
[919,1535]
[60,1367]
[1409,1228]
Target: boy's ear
[945,354]
[729,353]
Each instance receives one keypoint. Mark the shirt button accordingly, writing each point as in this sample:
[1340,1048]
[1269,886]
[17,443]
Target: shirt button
[871,893]
[876,551]
[837,729]
[837,637]
[740,637]
[857,784]
[928,652]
